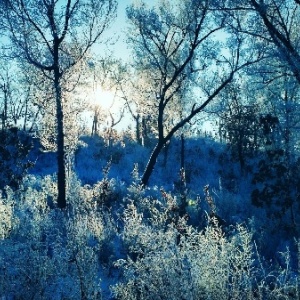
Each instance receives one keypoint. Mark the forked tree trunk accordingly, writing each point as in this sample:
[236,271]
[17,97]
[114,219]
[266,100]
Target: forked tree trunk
[95,124]
[163,139]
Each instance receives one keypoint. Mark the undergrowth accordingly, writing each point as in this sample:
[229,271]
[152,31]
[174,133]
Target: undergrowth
[118,243]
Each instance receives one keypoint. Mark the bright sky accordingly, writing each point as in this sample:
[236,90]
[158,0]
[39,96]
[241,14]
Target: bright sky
[116,45]
[117,34]
[120,50]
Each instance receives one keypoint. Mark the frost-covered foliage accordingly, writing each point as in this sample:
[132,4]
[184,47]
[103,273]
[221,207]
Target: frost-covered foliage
[139,246]
[175,239]
[168,259]
[206,162]
[94,153]
[46,253]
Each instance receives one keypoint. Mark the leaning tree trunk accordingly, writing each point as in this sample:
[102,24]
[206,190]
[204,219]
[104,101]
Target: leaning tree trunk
[151,163]
[61,173]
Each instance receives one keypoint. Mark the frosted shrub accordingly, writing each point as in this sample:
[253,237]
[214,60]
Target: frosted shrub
[14,150]
[148,247]
[241,261]
[6,217]
[89,214]
[168,259]
[47,253]
[84,241]
[31,270]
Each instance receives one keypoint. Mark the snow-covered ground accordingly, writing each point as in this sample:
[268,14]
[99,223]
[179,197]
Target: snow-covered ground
[119,241]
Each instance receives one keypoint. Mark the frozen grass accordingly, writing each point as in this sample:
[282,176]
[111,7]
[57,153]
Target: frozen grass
[137,246]
[119,241]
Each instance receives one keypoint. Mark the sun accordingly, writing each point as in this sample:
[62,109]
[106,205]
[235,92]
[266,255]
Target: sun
[104,98]
[108,100]
[107,106]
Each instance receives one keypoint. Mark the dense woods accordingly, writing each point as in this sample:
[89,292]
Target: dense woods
[185,186]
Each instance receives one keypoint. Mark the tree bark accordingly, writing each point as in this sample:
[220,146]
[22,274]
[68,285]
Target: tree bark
[182,152]
[281,41]
[95,124]
[4,113]
[61,172]
[166,153]
[138,137]
[145,133]
[151,163]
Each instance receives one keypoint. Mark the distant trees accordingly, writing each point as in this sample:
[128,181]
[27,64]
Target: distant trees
[20,98]
[135,91]
[106,74]
[177,53]
[260,124]
[271,29]
[239,124]
[11,102]
[55,37]
[5,95]
[276,179]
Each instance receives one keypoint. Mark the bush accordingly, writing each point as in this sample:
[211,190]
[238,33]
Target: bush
[46,253]
[146,250]
[176,261]
[14,149]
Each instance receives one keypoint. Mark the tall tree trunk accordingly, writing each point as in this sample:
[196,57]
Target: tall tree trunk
[25,115]
[138,136]
[145,132]
[166,153]
[95,124]
[182,189]
[182,152]
[241,157]
[4,114]
[61,173]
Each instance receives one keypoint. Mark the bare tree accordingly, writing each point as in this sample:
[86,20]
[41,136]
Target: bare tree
[281,21]
[176,50]
[270,23]
[55,37]
[17,91]
[132,89]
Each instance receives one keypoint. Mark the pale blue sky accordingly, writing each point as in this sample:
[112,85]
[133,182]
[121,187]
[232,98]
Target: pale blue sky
[118,29]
